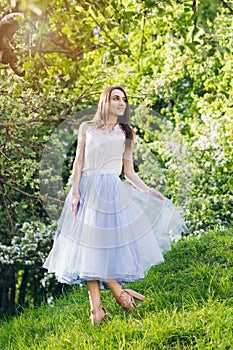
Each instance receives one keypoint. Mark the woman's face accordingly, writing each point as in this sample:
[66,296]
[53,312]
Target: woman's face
[117,104]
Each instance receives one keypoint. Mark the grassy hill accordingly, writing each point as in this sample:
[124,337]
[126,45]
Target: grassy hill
[188,305]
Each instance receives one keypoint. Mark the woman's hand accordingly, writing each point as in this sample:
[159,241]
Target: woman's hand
[75,202]
[156,194]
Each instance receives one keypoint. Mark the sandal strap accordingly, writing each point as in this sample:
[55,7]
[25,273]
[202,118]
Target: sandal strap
[96,321]
[126,301]
[94,311]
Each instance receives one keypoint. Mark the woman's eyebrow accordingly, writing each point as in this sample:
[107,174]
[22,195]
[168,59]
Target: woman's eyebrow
[118,96]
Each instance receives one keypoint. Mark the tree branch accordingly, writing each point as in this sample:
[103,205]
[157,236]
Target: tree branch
[7,210]
[9,124]
[4,155]
[39,198]
[142,38]
[226,4]
[80,97]
[194,7]
[106,33]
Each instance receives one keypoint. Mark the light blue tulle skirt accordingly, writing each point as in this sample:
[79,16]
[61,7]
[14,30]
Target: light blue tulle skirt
[118,232]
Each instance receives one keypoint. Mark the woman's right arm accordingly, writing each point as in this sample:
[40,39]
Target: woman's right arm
[77,166]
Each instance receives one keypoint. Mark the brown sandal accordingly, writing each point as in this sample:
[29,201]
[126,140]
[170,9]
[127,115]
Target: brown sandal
[96,320]
[126,299]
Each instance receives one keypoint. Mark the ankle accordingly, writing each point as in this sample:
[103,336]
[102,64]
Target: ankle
[115,288]
[98,315]
[95,309]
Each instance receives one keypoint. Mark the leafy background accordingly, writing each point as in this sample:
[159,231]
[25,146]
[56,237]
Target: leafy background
[174,58]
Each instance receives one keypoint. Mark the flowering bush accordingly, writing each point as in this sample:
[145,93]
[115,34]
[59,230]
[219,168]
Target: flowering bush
[195,172]
[21,266]
[29,246]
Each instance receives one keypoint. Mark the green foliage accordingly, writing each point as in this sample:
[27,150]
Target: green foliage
[188,305]
[29,246]
[174,60]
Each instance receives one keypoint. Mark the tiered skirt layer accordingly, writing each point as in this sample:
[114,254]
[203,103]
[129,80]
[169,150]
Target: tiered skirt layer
[118,232]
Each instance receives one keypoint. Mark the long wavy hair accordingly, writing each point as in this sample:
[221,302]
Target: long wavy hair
[102,113]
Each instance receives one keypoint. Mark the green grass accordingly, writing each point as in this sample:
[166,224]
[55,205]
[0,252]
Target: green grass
[188,305]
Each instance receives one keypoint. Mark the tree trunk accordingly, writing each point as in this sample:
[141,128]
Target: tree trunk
[23,288]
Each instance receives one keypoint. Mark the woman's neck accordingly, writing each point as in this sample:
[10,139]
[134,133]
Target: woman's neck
[111,120]
[110,123]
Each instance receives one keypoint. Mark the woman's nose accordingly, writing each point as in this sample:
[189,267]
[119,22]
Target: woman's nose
[122,102]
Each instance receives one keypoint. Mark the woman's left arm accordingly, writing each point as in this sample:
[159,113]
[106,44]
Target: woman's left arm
[133,177]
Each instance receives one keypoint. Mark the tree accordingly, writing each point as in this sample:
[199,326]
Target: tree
[173,58]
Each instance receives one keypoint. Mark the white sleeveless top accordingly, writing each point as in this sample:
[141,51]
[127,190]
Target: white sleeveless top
[103,150]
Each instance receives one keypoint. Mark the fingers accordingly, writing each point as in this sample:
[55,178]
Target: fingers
[159,195]
[74,207]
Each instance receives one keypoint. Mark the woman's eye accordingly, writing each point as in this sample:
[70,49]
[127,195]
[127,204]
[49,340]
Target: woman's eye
[117,99]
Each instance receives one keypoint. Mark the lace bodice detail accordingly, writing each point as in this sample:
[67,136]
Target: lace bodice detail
[103,150]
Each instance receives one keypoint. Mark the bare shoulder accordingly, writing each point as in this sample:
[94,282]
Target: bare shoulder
[84,125]
[83,128]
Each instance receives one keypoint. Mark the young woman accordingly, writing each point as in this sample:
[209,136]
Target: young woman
[110,231]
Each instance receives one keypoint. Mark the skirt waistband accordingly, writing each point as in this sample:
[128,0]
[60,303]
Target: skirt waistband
[98,172]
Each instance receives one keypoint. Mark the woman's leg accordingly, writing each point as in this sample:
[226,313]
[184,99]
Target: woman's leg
[94,294]
[115,288]
[98,313]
